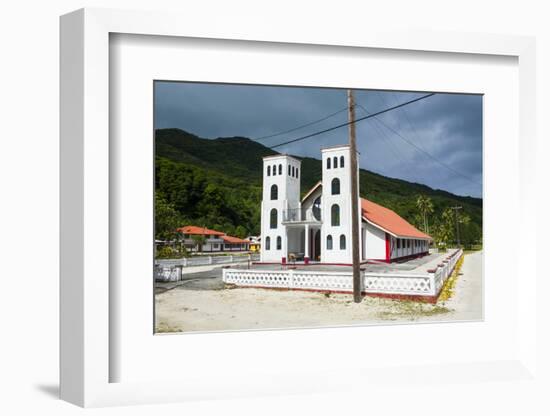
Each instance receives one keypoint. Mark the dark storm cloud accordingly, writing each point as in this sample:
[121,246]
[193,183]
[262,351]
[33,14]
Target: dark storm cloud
[445,128]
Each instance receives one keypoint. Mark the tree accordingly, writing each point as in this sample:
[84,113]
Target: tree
[166,219]
[199,241]
[240,231]
[426,207]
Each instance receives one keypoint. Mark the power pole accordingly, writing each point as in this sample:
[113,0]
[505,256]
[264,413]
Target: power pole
[354,200]
[456,222]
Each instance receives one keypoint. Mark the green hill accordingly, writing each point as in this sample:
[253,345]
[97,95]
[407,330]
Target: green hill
[217,183]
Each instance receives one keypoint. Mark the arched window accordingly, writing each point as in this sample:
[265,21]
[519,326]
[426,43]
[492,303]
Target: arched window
[335,186]
[335,162]
[335,215]
[342,242]
[274,170]
[268,243]
[279,243]
[341,161]
[274,192]
[329,242]
[273,218]
[269,171]
[296,172]
[328,162]
[280,169]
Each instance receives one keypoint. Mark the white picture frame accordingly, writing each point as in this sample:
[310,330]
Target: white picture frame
[86,305]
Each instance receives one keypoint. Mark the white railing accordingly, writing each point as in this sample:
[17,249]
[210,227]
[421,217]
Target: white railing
[206,260]
[167,273]
[444,269]
[419,284]
[290,279]
[299,215]
[398,284]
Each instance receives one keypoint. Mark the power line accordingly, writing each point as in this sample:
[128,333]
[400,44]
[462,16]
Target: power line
[391,145]
[301,126]
[350,122]
[420,149]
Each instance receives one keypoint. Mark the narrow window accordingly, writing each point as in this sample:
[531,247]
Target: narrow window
[293,172]
[328,163]
[296,173]
[274,170]
[335,162]
[289,171]
[329,242]
[274,192]
[342,242]
[268,243]
[280,169]
[335,215]
[279,243]
[341,161]
[269,171]
[273,218]
[335,186]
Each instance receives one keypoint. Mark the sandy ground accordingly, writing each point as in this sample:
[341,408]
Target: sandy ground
[181,309]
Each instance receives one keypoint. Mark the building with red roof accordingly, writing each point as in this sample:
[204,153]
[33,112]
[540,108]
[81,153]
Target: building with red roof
[214,241]
[317,227]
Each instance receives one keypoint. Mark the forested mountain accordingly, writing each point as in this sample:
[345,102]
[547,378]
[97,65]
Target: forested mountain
[217,183]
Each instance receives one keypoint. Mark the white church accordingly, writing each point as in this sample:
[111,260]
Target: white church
[317,227]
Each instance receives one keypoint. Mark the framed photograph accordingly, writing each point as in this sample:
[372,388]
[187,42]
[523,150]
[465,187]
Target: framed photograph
[286,213]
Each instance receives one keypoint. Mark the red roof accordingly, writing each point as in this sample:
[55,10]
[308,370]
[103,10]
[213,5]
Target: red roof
[194,230]
[234,240]
[389,221]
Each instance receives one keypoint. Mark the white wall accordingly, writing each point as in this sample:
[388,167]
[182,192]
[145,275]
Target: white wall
[376,243]
[288,197]
[336,255]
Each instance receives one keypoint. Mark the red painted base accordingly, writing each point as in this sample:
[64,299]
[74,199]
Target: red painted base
[306,264]
[417,298]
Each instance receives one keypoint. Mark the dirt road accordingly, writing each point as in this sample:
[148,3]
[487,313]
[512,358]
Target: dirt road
[182,309]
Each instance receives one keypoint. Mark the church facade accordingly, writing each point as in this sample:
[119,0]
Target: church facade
[317,227]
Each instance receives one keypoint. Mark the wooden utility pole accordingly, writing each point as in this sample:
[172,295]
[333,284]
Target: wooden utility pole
[354,200]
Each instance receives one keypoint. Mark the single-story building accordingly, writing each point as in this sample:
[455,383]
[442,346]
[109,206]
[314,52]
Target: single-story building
[214,241]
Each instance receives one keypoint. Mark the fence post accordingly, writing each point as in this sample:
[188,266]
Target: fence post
[209,259]
[231,258]
[185,262]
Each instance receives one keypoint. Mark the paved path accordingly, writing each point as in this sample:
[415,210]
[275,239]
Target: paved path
[467,299]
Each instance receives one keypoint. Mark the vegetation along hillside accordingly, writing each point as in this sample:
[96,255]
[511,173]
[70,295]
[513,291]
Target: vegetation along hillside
[217,184]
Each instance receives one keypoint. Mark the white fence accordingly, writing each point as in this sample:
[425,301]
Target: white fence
[290,279]
[171,270]
[206,260]
[416,284]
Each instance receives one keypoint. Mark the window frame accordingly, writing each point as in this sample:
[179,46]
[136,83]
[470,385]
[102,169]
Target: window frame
[334,216]
[271,217]
[332,184]
[329,240]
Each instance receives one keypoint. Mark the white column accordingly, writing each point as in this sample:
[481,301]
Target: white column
[306,240]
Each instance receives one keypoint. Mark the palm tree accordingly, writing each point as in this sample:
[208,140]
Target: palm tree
[426,207]
[199,241]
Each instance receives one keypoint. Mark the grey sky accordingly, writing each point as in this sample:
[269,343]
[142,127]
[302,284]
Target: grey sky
[446,126]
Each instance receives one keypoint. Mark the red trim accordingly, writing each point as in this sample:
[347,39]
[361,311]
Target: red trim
[418,298]
[388,248]
[410,256]
[303,264]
